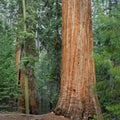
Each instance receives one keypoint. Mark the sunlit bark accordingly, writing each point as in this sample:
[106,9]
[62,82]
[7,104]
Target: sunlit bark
[78,99]
[20,77]
[18,52]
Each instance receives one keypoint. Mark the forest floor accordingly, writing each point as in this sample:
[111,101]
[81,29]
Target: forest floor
[19,116]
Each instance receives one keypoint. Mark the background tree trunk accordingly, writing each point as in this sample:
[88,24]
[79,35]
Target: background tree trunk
[78,98]
[26,51]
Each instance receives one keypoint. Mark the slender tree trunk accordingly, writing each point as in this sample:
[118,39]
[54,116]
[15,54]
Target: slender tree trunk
[25,76]
[78,98]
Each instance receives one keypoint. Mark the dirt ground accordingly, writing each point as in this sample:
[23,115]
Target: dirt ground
[18,116]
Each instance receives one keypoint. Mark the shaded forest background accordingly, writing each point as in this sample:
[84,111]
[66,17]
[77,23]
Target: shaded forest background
[44,26]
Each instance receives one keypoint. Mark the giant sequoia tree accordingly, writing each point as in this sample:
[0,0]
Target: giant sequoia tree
[78,99]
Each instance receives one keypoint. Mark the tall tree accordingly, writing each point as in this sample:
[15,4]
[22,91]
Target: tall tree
[25,57]
[78,98]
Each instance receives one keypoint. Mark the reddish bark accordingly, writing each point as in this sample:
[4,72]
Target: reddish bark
[78,99]
[18,52]
[29,71]
[20,78]
[21,102]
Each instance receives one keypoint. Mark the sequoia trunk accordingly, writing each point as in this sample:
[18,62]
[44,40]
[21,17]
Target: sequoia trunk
[78,99]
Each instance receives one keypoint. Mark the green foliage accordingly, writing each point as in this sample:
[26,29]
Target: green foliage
[50,23]
[24,36]
[106,28]
[48,77]
[9,90]
[48,68]
[115,109]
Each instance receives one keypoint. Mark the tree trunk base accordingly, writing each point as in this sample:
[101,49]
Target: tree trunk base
[72,116]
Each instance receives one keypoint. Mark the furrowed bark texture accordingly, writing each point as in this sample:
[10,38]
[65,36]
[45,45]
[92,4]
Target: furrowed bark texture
[29,73]
[78,99]
[20,77]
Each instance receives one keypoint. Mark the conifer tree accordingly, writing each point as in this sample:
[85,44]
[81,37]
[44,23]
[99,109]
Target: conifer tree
[78,98]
